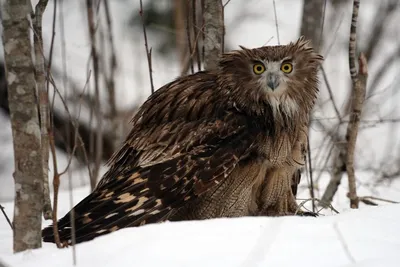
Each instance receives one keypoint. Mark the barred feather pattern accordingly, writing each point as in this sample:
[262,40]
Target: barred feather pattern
[196,137]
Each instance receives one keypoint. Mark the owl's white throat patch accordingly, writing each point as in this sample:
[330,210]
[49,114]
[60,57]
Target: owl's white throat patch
[282,104]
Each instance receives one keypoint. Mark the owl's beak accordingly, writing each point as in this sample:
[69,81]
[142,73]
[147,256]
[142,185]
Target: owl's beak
[273,81]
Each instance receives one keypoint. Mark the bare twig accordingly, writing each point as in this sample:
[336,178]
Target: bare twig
[328,86]
[5,215]
[304,201]
[188,34]
[56,186]
[196,34]
[379,199]
[276,23]
[311,187]
[96,73]
[226,3]
[148,51]
[110,80]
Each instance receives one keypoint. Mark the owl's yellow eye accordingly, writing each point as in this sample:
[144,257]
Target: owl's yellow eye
[258,68]
[287,67]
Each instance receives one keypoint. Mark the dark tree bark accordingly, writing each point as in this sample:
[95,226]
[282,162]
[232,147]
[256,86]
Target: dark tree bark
[28,172]
[312,20]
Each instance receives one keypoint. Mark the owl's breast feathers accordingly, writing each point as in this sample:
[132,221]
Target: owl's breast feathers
[185,140]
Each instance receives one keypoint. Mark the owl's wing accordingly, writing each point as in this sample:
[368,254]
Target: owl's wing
[156,172]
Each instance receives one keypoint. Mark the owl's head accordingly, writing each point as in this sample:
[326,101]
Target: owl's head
[282,77]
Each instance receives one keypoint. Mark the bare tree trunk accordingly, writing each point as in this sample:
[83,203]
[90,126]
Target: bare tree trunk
[311,28]
[312,21]
[43,103]
[28,172]
[213,32]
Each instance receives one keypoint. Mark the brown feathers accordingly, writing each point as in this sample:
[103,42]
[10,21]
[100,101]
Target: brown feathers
[207,145]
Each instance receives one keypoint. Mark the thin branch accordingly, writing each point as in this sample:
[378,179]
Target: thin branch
[148,52]
[56,186]
[328,86]
[110,81]
[276,23]
[96,72]
[5,215]
[196,34]
[227,2]
[311,188]
[378,199]
[304,201]
[189,41]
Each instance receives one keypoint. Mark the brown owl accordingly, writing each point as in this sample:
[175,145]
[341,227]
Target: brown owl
[220,143]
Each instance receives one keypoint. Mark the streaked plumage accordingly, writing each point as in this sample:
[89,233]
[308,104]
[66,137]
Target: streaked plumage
[213,144]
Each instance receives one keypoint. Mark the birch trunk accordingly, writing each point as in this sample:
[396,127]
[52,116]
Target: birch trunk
[28,174]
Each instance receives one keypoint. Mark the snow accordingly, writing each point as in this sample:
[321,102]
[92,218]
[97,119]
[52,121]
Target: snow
[366,237]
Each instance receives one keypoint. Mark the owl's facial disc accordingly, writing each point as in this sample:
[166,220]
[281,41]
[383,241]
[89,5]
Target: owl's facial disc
[273,75]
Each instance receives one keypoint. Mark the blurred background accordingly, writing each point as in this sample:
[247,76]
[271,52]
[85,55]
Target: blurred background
[174,31]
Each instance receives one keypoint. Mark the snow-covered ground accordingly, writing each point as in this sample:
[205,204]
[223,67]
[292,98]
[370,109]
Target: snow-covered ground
[366,237]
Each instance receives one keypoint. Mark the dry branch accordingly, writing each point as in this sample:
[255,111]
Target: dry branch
[148,51]
[6,216]
[196,34]
[188,35]
[56,186]
[28,172]
[96,72]
[110,80]
[276,23]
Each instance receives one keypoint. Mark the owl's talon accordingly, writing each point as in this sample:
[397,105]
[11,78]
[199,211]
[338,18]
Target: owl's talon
[307,214]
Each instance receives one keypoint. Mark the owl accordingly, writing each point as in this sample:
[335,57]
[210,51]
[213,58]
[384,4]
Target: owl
[218,143]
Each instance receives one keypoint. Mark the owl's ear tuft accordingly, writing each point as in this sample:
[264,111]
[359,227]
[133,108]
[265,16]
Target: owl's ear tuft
[244,48]
[303,43]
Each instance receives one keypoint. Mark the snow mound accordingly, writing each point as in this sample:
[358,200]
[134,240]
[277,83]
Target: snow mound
[366,237]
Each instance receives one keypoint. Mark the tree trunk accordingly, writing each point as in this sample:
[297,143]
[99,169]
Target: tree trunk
[28,172]
[311,22]
[213,32]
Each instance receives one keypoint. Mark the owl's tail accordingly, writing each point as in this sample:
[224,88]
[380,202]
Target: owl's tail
[109,209]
